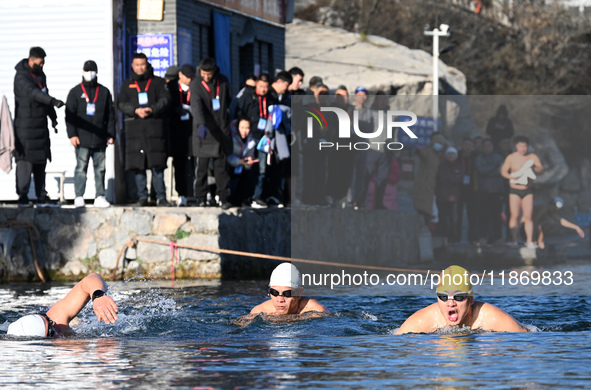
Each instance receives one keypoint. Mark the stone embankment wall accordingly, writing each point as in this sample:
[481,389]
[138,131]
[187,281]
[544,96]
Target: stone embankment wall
[72,242]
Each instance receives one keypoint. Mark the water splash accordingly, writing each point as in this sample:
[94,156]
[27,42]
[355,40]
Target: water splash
[141,310]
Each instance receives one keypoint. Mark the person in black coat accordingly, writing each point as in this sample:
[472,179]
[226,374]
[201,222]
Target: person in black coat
[90,121]
[181,128]
[145,100]
[255,106]
[211,130]
[33,105]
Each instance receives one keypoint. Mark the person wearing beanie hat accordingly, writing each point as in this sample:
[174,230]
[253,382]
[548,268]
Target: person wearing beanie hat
[33,105]
[360,90]
[172,73]
[181,127]
[285,290]
[187,70]
[90,123]
[451,150]
[55,322]
[456,309]
[211,136]
[90,66]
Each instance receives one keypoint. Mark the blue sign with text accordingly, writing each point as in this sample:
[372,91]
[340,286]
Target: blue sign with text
[158,49]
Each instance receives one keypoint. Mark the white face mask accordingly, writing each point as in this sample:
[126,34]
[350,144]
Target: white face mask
[184,87]
[89,76]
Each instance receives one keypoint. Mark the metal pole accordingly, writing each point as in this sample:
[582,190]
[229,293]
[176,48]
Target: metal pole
[435,78]
[436,33]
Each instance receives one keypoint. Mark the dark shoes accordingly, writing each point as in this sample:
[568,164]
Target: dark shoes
[24,203]
[163,203]
[160,203]
[226,205]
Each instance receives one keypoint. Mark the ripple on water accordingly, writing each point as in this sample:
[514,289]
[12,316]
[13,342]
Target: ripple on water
[185,337]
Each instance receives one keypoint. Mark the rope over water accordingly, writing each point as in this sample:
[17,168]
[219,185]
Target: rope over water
[133,242]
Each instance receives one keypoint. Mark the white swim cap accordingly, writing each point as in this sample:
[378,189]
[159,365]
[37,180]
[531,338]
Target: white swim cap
[286,275]
[31,325]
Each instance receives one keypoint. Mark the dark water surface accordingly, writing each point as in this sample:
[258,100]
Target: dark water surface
[181,335]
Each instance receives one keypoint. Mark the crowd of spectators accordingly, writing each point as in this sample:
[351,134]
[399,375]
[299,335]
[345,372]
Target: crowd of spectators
[242,151]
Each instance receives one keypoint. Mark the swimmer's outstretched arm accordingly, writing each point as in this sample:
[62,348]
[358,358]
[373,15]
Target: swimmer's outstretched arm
[66,309]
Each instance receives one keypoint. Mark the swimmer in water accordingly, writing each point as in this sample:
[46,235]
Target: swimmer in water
[56,321]
[456,307]
[285,290]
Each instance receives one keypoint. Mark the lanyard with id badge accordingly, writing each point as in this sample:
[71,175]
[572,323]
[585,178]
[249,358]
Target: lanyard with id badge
[215,103]
[466,180]
[262,113]
[142,97]
[43,89]
[186,106]
[90,107]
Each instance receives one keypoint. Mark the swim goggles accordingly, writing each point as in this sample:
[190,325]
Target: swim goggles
[286,293]
[50,325]
[458,297]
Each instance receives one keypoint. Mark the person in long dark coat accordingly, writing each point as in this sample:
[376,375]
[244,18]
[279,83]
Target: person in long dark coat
[90,120]
[181,128]
[145,100]
[33,105]
[211,137]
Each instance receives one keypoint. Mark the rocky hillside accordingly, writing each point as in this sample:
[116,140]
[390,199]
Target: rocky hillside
[528,48]
[353,59]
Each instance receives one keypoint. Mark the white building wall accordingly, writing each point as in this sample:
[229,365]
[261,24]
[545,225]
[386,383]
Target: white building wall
[70,32]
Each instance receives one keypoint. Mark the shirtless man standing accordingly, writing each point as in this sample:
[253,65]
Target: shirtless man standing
[520,169]
[456,308]
[285,290]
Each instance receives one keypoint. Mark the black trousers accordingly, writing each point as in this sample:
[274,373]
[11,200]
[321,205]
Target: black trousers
[468,198]
[220,172]
[183,175]
[490,206]
[24,169]
[448,220]
[242,187]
